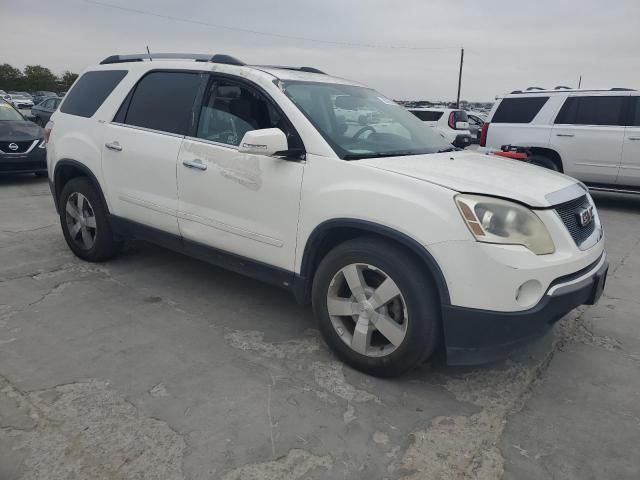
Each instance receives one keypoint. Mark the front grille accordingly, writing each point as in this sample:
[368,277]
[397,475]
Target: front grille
[22,146]
[569,213]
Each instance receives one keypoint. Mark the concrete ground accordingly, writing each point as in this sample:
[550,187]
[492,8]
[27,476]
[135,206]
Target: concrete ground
[157,366]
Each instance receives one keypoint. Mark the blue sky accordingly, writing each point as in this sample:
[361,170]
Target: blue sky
[508,44]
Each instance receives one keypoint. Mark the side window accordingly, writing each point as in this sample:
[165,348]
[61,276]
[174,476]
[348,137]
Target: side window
[231,109]
[163,101]
[48,104]
[604,110]
[635,112]
[518,110]
[90,91]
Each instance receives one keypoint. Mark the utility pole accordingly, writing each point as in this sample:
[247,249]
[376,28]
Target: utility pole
[460,77]
[580,82]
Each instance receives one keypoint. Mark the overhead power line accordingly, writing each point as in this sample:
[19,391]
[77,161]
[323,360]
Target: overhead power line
[258,32]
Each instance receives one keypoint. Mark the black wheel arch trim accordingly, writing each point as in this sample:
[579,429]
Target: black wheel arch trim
[303,281]
[56,187]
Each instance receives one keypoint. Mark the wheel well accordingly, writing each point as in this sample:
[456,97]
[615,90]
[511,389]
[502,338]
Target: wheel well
[326,238]
[67,170]
[550,154]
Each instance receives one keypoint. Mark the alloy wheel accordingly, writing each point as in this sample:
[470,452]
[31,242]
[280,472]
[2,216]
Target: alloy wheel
[81,221]
[367,310]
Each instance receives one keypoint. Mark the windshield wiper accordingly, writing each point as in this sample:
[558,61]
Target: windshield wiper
[358,156]
[449,149]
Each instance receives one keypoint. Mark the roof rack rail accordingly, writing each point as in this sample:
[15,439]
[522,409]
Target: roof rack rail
[622,89]
[297,69]
[535,88]
[562,87]
[198,57]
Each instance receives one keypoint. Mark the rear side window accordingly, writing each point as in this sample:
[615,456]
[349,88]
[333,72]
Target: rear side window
[163,101]
[518,110]
[635,112]
[592,111]
[426,116]
[90,91]
[460,116]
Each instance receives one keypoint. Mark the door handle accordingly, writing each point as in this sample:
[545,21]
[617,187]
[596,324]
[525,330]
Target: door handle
[114,146]
[195,163]
[634,138]
[565,135]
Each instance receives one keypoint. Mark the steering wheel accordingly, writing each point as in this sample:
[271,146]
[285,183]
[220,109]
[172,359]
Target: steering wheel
[362,130]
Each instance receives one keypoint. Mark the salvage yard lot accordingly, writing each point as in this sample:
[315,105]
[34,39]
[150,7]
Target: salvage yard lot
[159,366]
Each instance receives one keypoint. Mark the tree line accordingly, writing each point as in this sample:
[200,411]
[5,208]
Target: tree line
[33,78]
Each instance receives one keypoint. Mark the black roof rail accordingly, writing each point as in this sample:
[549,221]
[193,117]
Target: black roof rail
[562,87]
[297,69]
[515,91]
[535,88]
[622,89]
[198,57]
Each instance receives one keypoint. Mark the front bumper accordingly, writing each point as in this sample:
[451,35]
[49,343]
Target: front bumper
[34,160]
[474,336]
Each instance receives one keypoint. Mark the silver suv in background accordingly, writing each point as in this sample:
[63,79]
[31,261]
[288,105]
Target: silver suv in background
[592,135]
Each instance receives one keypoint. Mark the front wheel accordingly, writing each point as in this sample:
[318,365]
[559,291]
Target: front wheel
[85,222]
[376,307]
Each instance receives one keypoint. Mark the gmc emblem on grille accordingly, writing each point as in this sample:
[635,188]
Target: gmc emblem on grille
[585,216]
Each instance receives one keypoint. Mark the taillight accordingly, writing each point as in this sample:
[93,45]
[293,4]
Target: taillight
[452,121]
[47,131]
[483,134]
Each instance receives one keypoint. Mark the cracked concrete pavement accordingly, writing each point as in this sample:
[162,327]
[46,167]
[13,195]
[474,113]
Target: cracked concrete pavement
[157,366]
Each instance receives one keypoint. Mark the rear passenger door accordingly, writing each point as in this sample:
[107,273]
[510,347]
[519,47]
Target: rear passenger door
[588,134]
[141,148]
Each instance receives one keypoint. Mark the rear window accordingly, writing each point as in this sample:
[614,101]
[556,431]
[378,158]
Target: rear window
[635,119]
[426,116]
[90,91]
[518,110]
[460,116]
[163,101]
[605,110]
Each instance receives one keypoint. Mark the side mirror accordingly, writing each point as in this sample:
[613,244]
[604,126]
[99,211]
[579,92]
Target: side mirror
[266,141]
[462,125]
[31,118]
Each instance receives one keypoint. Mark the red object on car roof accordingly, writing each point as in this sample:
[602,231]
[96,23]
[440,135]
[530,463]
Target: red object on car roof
[513,155]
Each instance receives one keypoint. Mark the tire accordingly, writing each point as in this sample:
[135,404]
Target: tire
[102,246]
[415,309]
[544,162]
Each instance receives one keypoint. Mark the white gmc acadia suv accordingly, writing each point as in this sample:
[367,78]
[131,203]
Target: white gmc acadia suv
[400,242]
[592,135]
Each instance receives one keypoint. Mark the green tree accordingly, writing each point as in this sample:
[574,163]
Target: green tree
[67,79]
[37,77]
[10,78]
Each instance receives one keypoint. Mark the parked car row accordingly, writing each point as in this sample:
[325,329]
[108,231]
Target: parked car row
[326,188]
[27,100]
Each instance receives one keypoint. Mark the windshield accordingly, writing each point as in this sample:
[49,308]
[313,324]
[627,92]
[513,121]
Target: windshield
[8,113]
[359,122]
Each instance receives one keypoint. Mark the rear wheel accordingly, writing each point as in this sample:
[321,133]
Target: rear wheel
[542,161]
[85,223]
[376,307]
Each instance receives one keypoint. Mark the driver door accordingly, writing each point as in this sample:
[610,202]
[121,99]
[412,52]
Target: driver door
[241,203]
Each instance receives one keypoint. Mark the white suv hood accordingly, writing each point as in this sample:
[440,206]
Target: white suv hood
[471,172]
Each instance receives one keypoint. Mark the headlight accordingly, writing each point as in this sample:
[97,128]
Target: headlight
[492,220]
